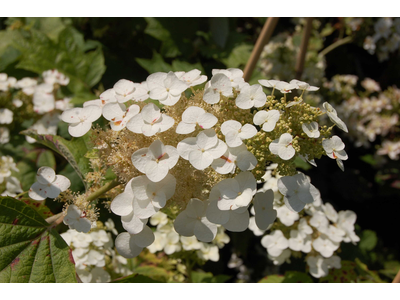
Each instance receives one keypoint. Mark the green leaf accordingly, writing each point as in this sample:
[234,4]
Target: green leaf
[73,151]
[46,159]
[156,64]
[302,164]
[9,56]
[154,273]
[272,279]
[294,277]
[238,57]
[135,278]
[368,240]
[370,276]
[178,65]
[203,277]
[31,250]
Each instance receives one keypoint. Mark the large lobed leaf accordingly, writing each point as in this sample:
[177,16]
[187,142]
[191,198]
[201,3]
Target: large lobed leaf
[31,250]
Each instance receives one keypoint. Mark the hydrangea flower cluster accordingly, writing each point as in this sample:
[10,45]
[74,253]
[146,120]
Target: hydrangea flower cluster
[94,254]
[12,184]
[372,114]
[33,98]
[193,159]
[386,38]
[169,241]
[317,231]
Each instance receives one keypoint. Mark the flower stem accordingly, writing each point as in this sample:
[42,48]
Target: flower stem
[336,44]
[103,190]
[19,195]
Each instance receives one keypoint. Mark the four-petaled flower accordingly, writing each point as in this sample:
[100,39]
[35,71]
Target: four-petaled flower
[48,185]
[75,219]
[283,146]
[81,119]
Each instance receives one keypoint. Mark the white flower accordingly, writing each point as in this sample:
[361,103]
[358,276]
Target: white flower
[253,227]
[220,85]
[304,86]
[48,124]
[235,133]
[269,83]
[160,240]
[17,102]
[159,218]
[76,220]
[233,220]
[100,238]
[285,87]
[265,214]
[119,124]
[303,227]
[190,243]
[80,119]
[202,149]
[48,185]
[130,245]
[151,196]
[235,76]
[251,96]
[311,129]
[318,266]
[172,243]
[155,161]
[298,191]
[346,220]
[283,146]
[54,76]
[334,148]
[325,246]
[4,135]
[237,156]
[237,192]
[43,98]
[166,88]
[193,77]
[123,205]
[330,212]
[193,116]
[150,121]
[275,243]
[319,220]
[267,119]
[6,116]
[124,90]
[287,216]
[332,114]
[296,241]
[333,233]
[27,85]
[208,252]
[192,221]
[221,238]
[281,258]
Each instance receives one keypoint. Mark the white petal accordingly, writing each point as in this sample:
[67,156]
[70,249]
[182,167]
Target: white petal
[238,222]
[144,238]
[126,246]
[132,223]
[122,204]
[79,129]
[45,175]
[204,230]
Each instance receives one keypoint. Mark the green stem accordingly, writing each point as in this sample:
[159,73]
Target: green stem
[19,195]
[103,190]
[336,44]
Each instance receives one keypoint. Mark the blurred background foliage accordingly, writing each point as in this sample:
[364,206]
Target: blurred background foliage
[96,52]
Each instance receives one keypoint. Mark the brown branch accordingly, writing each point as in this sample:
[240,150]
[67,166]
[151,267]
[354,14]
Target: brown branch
[397,278]
[301,57]
[262,40]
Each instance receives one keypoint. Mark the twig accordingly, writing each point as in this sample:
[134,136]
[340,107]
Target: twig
[262,40]
[102,190]
[301,57]
[336,44]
